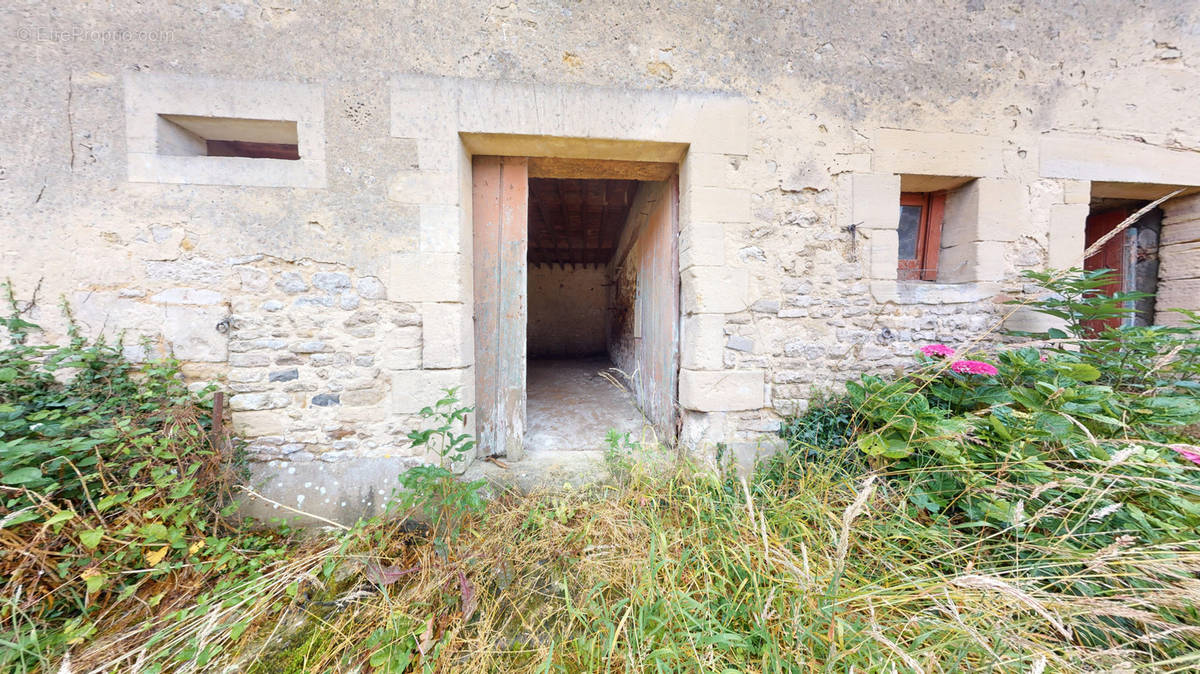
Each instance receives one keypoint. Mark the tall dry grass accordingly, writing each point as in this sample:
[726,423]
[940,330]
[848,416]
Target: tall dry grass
[700,572]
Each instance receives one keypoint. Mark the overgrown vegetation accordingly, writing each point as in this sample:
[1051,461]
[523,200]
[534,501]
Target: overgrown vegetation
[1031,508]
[114,503]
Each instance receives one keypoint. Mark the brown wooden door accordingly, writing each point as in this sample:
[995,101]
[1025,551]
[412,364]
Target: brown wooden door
[658,314]
[500,205]
[1111,255]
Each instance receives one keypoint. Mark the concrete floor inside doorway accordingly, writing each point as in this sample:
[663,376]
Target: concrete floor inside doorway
[570,409]
[572,405]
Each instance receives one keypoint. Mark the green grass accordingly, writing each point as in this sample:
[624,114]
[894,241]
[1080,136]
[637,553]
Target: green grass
[697,572]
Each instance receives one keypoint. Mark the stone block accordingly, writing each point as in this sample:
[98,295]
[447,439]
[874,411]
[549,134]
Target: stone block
[326,399]
[405,337]
[701,342]
[1077,191]
[331,281]
[702,243]
[1176,294]
[712,123]
[191,332]
[371,288]
[310,346]
[448,336]
[101,311]
[939,154]
[438,154]
[258,401]
[426,277]
[249,360]
[1181,209]
[715,204]
[424,187]
[284,375]
[704,169]
[972,262]
[714,290]
[1109,159]
[413,390]
[363,397]
[883,253]
[199,271]
[988,209]
[291,283]
[1024,319]
[740,343]
[1180,232]
[1066,235]
[1179,261]
[441,229]
[922,292]
[726,390]
[401,359]
[869,201]
[256,424]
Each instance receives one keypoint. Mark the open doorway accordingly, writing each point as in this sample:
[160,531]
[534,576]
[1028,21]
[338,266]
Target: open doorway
[1132,255]
[576,302]
[575,393]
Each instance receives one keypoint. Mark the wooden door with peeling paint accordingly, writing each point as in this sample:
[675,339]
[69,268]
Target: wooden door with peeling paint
[500,204]
[658,314]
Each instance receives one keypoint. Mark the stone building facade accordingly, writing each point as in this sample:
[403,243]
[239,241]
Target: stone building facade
[334,294]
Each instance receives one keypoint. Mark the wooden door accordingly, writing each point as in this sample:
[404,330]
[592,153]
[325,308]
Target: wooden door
[500,200]
[1111,255]
[657,314]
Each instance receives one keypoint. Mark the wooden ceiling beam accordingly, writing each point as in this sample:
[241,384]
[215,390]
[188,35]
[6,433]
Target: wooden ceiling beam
[599,169]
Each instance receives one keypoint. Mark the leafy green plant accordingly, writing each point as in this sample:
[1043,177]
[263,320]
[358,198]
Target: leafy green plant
[1155,358]
[444,500]
[110,484]
[828,425]
[1077,297]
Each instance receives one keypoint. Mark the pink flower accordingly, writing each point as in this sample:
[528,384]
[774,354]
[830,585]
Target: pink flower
[937,350]
[1043,358]
[1189,452]
[973,367]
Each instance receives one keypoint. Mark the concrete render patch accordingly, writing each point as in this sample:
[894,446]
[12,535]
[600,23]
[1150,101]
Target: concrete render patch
[341,491]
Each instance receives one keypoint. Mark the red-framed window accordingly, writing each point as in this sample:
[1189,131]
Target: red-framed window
[920,234]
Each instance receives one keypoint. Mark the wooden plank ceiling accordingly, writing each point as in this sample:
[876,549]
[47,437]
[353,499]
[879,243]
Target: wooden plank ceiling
[577,221]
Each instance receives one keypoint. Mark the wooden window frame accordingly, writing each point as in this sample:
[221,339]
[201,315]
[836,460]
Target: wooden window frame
[929,236]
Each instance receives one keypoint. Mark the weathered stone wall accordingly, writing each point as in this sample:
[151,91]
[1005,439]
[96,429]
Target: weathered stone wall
[796,126]
[567,307]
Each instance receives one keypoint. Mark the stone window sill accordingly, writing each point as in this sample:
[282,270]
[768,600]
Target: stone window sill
[925,292]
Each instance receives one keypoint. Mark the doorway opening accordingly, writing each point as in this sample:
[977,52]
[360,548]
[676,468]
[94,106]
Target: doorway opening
[1132,254]
[576,302]
[575,392]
